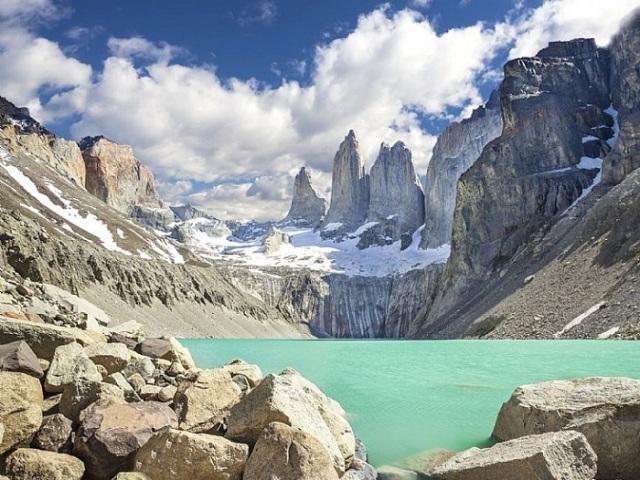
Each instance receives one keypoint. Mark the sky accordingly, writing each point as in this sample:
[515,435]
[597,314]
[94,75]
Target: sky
[225,100]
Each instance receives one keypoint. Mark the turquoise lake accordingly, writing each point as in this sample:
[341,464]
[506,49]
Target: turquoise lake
[407,397]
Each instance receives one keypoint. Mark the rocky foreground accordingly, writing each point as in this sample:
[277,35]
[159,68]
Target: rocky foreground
[80,399]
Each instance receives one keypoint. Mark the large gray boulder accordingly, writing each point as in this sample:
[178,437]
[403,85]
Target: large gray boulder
[32,464]
[204,400]
[70,363]
[307,208]
[112,433]
[605,410]
[18,357]
[549,456]
[288,453]
[251,372]
[43,339]
[112,356]
[174,454]
[349,188]
[20,409]
[294,401]
[81,393]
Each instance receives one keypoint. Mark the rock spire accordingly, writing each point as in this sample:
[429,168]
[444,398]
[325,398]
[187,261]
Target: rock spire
[307,208]
[349,186]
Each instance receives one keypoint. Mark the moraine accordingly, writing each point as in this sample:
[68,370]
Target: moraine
[404,398]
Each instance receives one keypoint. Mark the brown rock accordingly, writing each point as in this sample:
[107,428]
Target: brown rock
[556,455]
[294,401]
[54,434]
[131,476]
[252,373]
[42,338]
[31,464]
[177,454]
[82,393]
[112,356]
[18,357]
[112,433]
[204,400]
[287,453]
[70,363]
[20,409]
[605,410]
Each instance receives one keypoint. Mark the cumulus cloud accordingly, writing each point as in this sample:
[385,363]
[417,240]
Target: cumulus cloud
[567,19]
[233,147]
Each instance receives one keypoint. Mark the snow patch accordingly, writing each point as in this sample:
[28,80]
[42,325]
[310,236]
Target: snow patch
[363,229]
[613,113]
[89,223]
[579,319]
[609,333]
[330,227]
[589,138]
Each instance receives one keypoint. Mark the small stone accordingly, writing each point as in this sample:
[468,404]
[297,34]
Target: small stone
[167,393]
[54,434]
[18,357]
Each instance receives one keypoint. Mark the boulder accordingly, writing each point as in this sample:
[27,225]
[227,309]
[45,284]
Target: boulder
[149,392]
[20,409]
[18,357]
[388,472]
[112,433]
[31,464]
[142,366]
[166,348]
[136,381]
[288,453]
[119,381]
[43,338]
[204,400]
[70,363]
[239,367]
[131,476]
[80,394]
[174,454]
[555,455]
[112,356]
[605,410]
[294,401]
[360,470]
[167,394]
[54,434]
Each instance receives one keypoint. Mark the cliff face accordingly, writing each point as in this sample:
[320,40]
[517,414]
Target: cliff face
[456,149]
[625,92]
[395,189]
[116,176]
[341,306]
[349,186]
[559,129]
[307,208]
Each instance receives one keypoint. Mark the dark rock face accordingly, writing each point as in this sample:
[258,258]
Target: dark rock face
[553,111]
[395,190]
[307,208]
[21,118]
[625,92]
[349,186]
[457,148]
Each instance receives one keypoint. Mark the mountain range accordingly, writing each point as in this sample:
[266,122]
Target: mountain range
[527,226]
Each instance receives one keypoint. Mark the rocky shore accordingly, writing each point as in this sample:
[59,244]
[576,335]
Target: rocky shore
[81,399]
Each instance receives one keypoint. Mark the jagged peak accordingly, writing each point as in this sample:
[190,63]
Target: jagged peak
[572,48]
[88,141]
[21,118]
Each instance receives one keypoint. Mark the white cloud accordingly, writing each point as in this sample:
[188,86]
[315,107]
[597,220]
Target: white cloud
[141,48]
[568,19]
[263,12]
[248,139]
[420,3]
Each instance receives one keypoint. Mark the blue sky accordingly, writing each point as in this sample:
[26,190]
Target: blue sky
[225,100]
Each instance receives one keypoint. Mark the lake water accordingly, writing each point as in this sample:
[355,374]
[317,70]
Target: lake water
[407,397]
